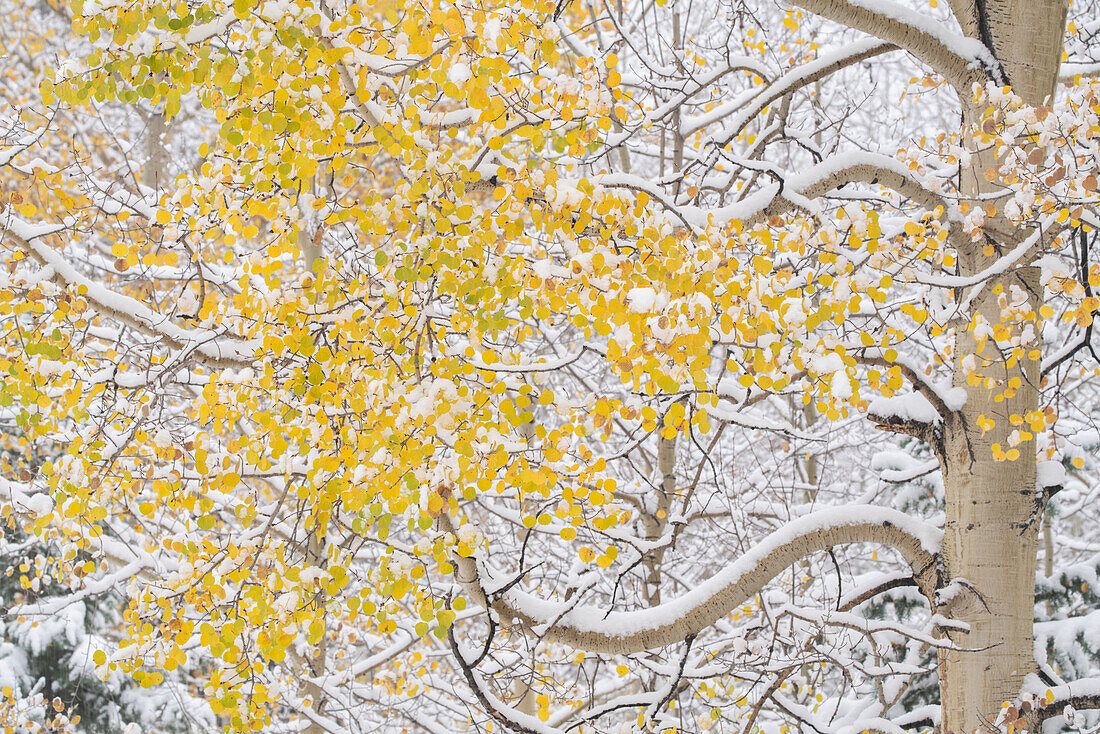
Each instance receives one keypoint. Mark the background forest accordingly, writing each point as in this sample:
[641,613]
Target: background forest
[544,367]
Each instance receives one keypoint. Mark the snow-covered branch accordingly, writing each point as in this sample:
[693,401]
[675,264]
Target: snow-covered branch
[962,61]
[208,346]
[600,630]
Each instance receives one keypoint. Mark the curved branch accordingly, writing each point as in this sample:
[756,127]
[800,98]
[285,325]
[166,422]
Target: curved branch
[945,402]
[861,595]
[838,171]
[742,63]
[510,719]
[873,168]
[960,60]
[795,191]
[598,630]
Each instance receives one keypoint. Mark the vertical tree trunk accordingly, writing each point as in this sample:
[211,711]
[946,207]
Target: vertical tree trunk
[316,555]
[991,530]
[993,510]
[154,174]
[655,521]
[316,550]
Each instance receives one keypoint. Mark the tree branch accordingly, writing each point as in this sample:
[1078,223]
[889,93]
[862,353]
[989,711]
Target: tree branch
[960,60]
[795,191]
[1070,71]
[784,85]
[598,630]
[510,718]
[870,168]
[206,345]
[1078,694]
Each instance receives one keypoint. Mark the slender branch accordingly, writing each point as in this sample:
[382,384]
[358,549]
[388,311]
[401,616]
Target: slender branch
[785,85]
[795,191]
[869,168]
[896,582]
[509,718]
[923,386]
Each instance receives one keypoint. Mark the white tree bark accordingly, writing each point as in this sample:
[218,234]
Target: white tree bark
[154,174]
[957,58]
[990,537]
[993,507]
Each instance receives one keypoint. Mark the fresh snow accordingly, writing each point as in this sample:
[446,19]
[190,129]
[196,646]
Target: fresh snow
[585,618]
[908,407]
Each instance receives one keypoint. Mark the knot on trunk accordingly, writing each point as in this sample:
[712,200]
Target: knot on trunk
[959,599]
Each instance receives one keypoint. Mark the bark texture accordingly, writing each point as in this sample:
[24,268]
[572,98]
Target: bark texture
[991,530]
[154,174]
[993,509]
[1027,37]
[655,520]
[931,48]
[314,664]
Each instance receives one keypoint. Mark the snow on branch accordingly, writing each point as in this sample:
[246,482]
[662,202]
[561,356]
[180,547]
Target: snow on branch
[1040,703]
[960,60]
[748,107]
[1065,699]
[928,405]
[735,64]
[527,367]
[510,718]
[599,630]
[871,168]
[744,419]
[909,413]
[1068,72]
[206,345]
[793,191]
[881,584]
[1020,253]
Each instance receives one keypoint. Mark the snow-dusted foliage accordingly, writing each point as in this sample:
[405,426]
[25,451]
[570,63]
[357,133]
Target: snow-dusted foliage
[701,365]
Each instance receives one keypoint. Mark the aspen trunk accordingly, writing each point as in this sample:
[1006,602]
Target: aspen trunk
[154,174]
[991,531]
[993,510]
[316,550]
[656,522]
[316,555]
